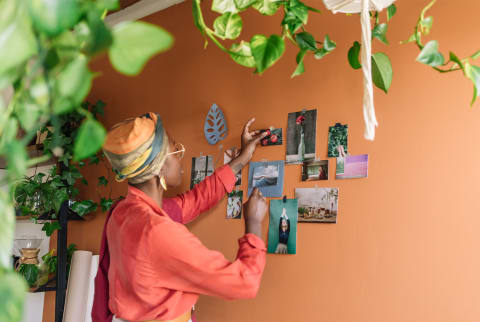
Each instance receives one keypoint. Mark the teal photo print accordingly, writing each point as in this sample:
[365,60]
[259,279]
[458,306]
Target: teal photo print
[282,229]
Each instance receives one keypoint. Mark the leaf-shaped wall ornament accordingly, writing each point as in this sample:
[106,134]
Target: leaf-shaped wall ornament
[215,128]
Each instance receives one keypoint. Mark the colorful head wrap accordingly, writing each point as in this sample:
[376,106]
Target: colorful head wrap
[137,148]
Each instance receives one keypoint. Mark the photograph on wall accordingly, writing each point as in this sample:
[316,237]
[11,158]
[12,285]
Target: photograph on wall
[266,176]
[274,137]
[202,167]
[228,156]
[352,167]
[234,204]
[318,205]
[338,141]
[282,229]
[301,136]
[315,170]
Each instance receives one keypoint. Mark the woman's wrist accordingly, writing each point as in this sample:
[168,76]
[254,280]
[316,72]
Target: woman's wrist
[238,163]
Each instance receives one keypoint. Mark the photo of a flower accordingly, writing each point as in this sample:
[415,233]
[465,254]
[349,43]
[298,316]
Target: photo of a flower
[274,137]
[301,136]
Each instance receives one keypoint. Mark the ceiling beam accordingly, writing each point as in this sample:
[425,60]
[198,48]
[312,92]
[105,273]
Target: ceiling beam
[139,10]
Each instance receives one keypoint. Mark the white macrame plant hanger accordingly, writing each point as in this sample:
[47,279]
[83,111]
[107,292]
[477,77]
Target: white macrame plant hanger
[363,7]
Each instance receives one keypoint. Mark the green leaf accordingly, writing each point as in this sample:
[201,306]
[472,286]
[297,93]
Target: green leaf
[354,55]
[94,159]
[456,60]
[391,10]
[430,55]
[102,181]
[473,73]
[7,229]
[475,55]
[291,21]
[54,16]
[59,196]
[50,227]
[98,108]
[73,85]
[9,133]
[106,204]
[28,114]
[89,139]
[16,36]
[135,43]
[228,26]
[328,44]
[242,54]
[306,41]
[244,4]
[299,10]
[426,24]
[84,207]
[300,66]
[100,36]
[266,51]
[108,4]
[16,159]
[222,6]
[382,72]
[380,32]
[12,293]
[267,7]
[410,39]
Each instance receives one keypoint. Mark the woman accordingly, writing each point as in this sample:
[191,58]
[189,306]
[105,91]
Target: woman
[151,267]
[283,233]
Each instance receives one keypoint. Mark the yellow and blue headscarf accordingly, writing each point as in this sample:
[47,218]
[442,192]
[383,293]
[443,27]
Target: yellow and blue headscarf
[137,148]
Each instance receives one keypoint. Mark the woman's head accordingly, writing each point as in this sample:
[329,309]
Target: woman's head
[140,150]
[172,168]
[284,224]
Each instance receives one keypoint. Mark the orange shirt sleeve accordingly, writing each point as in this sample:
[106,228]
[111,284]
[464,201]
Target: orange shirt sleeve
[205,194]
[183,263]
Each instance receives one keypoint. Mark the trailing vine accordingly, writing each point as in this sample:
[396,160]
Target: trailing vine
[261,52]
[429,54]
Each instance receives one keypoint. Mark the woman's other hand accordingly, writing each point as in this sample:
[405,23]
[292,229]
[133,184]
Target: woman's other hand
[254,212]
[250,140]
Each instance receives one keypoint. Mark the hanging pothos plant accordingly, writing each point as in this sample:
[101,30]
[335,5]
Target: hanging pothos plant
[45,48]
[261,51]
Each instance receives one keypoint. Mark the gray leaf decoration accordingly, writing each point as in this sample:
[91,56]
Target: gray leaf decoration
[215,128]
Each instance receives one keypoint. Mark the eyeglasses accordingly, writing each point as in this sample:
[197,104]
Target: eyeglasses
[179,148]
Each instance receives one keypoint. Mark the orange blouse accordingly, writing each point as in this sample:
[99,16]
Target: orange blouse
[158,268]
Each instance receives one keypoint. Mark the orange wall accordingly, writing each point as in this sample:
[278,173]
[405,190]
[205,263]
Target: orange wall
[405,245]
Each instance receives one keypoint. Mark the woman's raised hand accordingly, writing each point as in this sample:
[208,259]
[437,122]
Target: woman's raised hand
[250,139]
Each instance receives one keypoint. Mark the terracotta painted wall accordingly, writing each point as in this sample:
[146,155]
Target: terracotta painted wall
[405,247]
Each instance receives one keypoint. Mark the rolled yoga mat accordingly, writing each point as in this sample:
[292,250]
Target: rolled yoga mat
[78,287]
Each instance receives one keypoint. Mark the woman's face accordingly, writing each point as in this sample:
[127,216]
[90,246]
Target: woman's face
[172,169]
[284,225]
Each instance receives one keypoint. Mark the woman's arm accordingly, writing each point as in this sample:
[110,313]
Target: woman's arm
[205,194]
[181,262]
[211,190]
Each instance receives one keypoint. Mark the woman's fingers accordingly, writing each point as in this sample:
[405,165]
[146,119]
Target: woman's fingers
[246,128]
